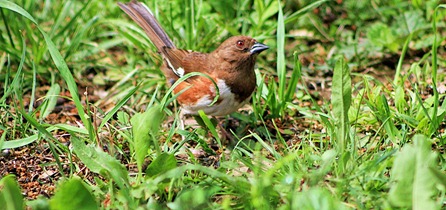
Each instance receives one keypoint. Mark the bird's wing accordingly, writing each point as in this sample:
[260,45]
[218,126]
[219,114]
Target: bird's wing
[182,62]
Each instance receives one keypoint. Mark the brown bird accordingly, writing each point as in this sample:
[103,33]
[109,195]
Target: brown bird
[231,66]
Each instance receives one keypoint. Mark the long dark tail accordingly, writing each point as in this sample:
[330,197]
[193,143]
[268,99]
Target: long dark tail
[142,15]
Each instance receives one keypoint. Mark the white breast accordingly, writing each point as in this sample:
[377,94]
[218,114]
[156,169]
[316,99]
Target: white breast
[227,104]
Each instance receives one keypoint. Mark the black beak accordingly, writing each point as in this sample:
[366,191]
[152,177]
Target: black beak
[258,48]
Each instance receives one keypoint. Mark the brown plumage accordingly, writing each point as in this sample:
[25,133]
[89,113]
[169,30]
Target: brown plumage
[231,66]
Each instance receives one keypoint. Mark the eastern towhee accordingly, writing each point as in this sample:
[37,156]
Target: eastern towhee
[231,66]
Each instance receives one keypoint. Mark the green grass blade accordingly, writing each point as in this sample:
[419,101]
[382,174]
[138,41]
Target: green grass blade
[47,135]
[433,126]
[293,17]
[33,90]
[50,101]
[281,65]
[15,81]
[116,108]
[30,139]
[73,20]
[61,17]
[210,126]
[19,142]
[398,75]
[295,77]
[77,39]
[8,30]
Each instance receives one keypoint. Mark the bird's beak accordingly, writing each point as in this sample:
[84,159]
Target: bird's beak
[258,48]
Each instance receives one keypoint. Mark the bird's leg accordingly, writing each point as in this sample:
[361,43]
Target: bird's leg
[226,137]
[181,119]
[182,126]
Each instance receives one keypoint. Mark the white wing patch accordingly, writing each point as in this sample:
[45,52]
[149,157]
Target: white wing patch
[227,104]
[179,72]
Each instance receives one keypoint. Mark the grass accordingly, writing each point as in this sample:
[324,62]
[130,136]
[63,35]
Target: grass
[349,110]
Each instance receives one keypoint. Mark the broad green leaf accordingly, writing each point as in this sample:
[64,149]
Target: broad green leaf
[100,162]
[10,196]
[207,122]
[341,97]
[412,21]
[145,128]
[161,164]
[379,34]
[73,194]
[413,183]
[195,198]
[316,199]
[41,203]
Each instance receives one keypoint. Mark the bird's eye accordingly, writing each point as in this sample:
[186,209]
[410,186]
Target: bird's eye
[240,43]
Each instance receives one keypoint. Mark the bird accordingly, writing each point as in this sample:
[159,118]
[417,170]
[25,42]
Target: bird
[230,66]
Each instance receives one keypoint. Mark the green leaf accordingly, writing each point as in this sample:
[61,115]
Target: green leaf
[341,98]
[315,199]
[207,122]
[30,139]
[41,203]
[400,101]
[413,20]
[433,126]
[296,15]
[10,196]
[413,183]
[161,164]
[145,128]
[118,106]
[51,100]
[386,117]
[327,160]
[73,194]
[100,162]
[380,35]
[295,77]
[18,142]
[281,65]
[195,198]
[270,10]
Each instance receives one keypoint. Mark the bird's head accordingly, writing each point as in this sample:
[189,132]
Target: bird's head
[240,48]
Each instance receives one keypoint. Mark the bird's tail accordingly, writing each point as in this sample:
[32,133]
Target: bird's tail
[144,17]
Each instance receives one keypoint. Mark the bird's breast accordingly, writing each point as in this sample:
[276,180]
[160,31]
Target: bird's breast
[227,103]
